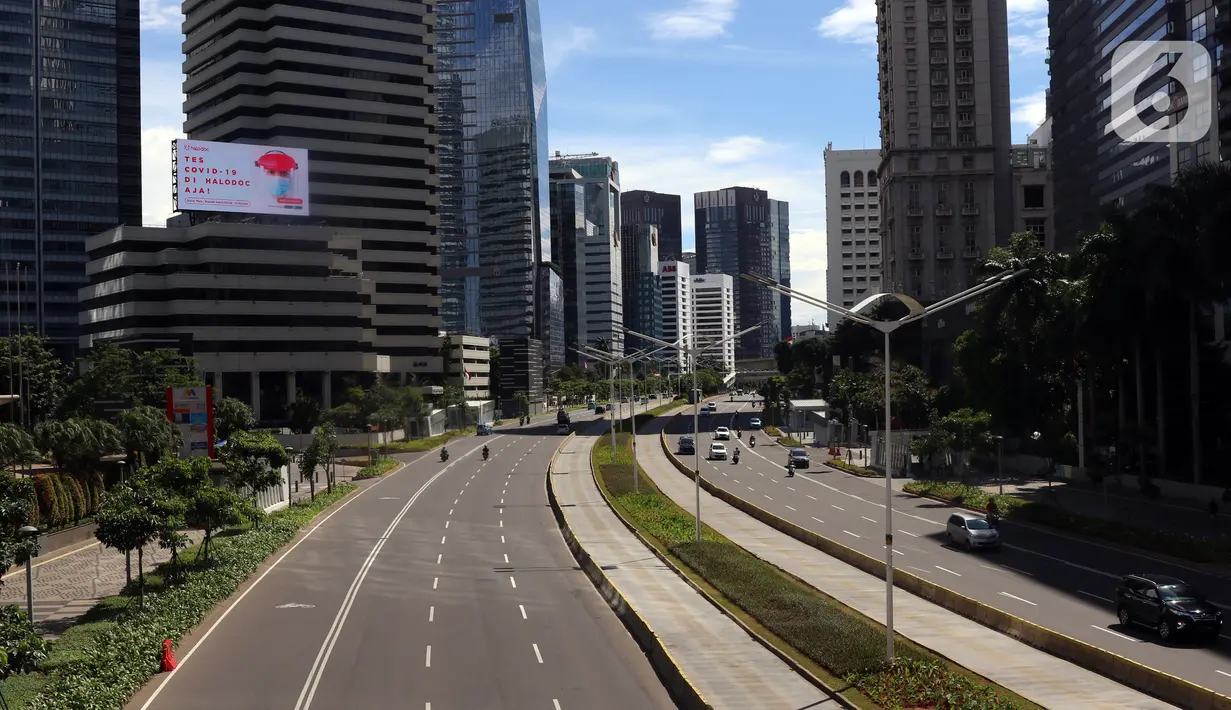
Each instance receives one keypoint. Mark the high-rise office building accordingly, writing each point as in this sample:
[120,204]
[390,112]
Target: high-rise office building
[70,152]
[1034,196]
[584,210]
[739,230]
[353,84]
[713,299]
[852,226]
[690,258]
[1097,169]
[661,210]
[1222,38]
[550,318]
[676,280]
[945,178]
[643,298]
[492,123]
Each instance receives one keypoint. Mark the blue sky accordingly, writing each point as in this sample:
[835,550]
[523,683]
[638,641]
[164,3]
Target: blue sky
[688,95]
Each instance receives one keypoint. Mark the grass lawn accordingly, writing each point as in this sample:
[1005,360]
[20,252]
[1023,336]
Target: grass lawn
[837,644]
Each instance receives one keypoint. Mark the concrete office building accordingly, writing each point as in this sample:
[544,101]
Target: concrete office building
[690,258]
[1034,196]
[945,177]
[470,365]
[643,298]
[263,321]
[353,83]
[661,210]
[713,298]
[585,237]
[676,280]
[550,319]
[70,154]
[492,128]
[852,226]
[739,230]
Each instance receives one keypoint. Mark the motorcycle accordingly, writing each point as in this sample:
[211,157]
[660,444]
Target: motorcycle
[735,458]
[485,453]
[739,433]
[444,455]
[752,442]
[993,519]
[790,470]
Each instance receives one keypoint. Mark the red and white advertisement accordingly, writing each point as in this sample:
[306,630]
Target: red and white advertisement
[191,409]
[237,177]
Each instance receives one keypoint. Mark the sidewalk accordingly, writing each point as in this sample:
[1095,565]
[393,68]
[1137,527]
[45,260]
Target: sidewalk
[1033,674]
[727,667]
[69,582]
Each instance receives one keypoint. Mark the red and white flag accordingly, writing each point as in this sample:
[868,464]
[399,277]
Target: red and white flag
[467,373]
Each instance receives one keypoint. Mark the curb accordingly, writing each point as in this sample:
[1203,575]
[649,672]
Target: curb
[1150,681]
[782,655]
[686,696]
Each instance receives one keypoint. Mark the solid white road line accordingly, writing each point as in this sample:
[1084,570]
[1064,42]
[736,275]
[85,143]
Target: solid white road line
[1095,596]
[536,652]
[942,569]
[513,582]
[431,614]
[523,611]
[1116,633]
[1012,596]
[427,659]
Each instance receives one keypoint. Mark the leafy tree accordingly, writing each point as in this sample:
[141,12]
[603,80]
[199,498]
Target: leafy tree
[523,401]
[117,373]
[78,444]
[934,442]
[133,516]
[16,447]
[148,432]
[213,508]
[319,453]
[232,415]
[305,413]
[181,477]
[15,497]
[37,375]
[253,462]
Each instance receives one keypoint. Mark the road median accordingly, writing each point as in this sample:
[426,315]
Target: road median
[1122,670]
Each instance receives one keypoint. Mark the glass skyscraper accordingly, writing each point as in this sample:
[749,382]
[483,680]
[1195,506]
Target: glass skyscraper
[70,153]
[494,205]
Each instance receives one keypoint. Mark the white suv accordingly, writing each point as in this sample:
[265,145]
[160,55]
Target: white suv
[722,433]
[718,451]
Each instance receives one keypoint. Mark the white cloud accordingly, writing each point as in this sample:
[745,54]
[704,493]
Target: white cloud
[684,165]
[1030,110]
[853,22]
[739,149]
[1018,7]
[696,19]
[156,172]
[576,39]
[161,15]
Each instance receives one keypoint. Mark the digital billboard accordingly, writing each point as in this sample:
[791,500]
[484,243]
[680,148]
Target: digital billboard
[237,177]
[191,409]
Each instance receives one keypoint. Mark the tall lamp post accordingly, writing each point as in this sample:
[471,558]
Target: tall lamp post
[693,352]
[916,312]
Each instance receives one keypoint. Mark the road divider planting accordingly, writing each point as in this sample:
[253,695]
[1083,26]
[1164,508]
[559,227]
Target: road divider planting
[853,469]
[376,469]
[1148,680]
[840,648]
[99,663]
[1186,547]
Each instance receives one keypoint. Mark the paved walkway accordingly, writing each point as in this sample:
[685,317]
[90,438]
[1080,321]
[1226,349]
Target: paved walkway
[1033,674]
[727,667]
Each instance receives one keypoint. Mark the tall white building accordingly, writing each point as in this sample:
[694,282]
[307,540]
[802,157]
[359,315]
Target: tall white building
[713,297]
[852,222]
[676,280]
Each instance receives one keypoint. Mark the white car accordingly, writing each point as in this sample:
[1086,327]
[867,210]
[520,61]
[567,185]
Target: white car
[722,433]
[718,451]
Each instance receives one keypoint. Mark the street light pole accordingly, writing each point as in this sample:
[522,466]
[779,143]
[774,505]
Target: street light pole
[916,311]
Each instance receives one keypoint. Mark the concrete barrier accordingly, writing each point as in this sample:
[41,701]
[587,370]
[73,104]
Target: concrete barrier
[1163,686]
[686,696]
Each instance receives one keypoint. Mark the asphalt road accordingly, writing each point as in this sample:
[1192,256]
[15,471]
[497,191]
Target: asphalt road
[1055,581]
[440,587]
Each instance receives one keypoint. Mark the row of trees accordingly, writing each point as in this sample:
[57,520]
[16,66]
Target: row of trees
[1125,321]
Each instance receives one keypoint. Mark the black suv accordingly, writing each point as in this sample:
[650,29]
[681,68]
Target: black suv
[1167,605]
[687,446]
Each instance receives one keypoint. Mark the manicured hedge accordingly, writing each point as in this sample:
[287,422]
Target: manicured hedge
[62,499]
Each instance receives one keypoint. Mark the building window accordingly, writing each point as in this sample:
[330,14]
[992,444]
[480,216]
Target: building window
[970,235]
[942,236]
[916,237]
[910,12]
[1033,197]
[913,190]
[845,180]
[858,178]
[910,57]
[1038,226]
[912,140]
[912,163]
[942,194]
[940,140]
[910,34]
[942,162]
[968,161]
[968,193]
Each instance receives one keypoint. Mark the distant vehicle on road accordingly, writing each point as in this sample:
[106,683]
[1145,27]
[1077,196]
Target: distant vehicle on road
[1168,605]
[799,457]
[562,417]
[600,409]
[704,412]
[754,423]
[972,532]
[718,451]
[722,433]
[483,429]
[686,445]
[712,406]
[562,428]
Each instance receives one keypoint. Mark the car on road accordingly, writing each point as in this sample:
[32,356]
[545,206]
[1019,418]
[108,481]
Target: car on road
[483,429]
[712,406]
[1168,605]
[722,433]
[718,451]
[754,423]
[562,428]
[705,412]
[600,409]
[799,457]
[686,445]
[972,532]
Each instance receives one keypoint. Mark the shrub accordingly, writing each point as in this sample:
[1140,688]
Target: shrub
[64,501]
[23,647]
[45,498]
[80,508]
[911,683]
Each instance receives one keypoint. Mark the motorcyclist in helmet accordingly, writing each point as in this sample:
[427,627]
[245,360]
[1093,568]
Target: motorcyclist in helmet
[485,452]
